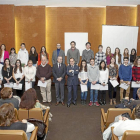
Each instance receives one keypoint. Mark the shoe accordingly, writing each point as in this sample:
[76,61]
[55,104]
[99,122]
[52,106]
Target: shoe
[57,104]
[85,102]
[50,103]
[96,104]
[110,101]
[114,101]
[68,105]
[82,102]
[104,102]
[90,104]
[74,103]
[62,103]
[100,102]
[44,101]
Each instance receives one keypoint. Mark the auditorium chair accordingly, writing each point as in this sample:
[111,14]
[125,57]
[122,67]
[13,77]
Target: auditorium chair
[128,135]
[133,114]
[17,135]
[107,118]
[16,114]
[34,113]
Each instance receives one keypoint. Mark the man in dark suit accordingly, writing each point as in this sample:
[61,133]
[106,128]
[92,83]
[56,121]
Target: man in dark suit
[72,81]
[59,72]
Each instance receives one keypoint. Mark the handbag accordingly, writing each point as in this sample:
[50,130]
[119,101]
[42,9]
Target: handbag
[41,126]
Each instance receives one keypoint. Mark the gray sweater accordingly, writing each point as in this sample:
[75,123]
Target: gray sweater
[73,54]
[87,55]
[93,73]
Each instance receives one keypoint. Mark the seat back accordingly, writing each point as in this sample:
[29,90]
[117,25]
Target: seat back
[133,114]
[131,135]
[113,112]
[12,135]
[22,114]
[36,113]
[16,113]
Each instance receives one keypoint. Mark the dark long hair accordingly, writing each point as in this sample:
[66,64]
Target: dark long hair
[31,53]
[134,54]
[81,67]
[1,50]
[13,49]
[44,51]
[7,114]
[20,68]
[28,100]
[100,67]
[5,68]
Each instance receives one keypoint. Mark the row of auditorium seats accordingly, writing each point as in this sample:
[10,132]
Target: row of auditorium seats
[26,114]
[108,118]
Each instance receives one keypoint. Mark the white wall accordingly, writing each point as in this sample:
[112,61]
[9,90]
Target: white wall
[119,36]
[80,38]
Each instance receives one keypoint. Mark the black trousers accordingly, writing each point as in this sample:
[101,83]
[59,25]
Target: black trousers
[102,95]
[110,89]
[20,92]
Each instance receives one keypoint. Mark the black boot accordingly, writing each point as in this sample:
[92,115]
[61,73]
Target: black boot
[100,102]
[82,102]
[104,102]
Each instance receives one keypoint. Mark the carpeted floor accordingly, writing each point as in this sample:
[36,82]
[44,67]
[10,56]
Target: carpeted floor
[77,122]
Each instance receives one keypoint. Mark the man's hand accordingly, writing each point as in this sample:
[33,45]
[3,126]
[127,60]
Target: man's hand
[111,79]
[93,83]
[17,82]
[128,83]
[24,121]
[70,71]
[121,81]
[42,80]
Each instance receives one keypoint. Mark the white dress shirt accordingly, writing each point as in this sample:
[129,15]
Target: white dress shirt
[126,125]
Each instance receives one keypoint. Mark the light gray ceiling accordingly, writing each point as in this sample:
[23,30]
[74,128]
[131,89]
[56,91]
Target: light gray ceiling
[73,3]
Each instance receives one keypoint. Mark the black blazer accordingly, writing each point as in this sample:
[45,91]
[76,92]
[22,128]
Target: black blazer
[59,72]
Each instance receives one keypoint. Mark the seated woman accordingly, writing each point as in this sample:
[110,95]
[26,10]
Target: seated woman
[128,124]
[29,100]
[8,121]
[7,97]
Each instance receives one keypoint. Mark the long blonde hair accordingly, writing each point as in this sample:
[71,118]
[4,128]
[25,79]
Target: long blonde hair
[126,55]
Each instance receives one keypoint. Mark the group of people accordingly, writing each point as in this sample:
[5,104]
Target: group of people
[99,70]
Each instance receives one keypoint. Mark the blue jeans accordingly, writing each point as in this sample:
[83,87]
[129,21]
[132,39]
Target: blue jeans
[84,94]
[95,93]
[135,93]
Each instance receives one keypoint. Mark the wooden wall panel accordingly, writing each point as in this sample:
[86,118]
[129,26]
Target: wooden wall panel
[121,15]
[71,19]
[30,26]
[138,24]
[7,26]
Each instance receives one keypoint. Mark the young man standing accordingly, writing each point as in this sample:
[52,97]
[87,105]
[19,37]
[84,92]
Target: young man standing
[73,53]
[93,76]
[100,55]
[125,74]
[87,53]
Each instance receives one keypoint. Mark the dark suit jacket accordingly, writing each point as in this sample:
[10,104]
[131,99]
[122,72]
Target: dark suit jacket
[133,104]
[72,79]
[54,56]
[59,72]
